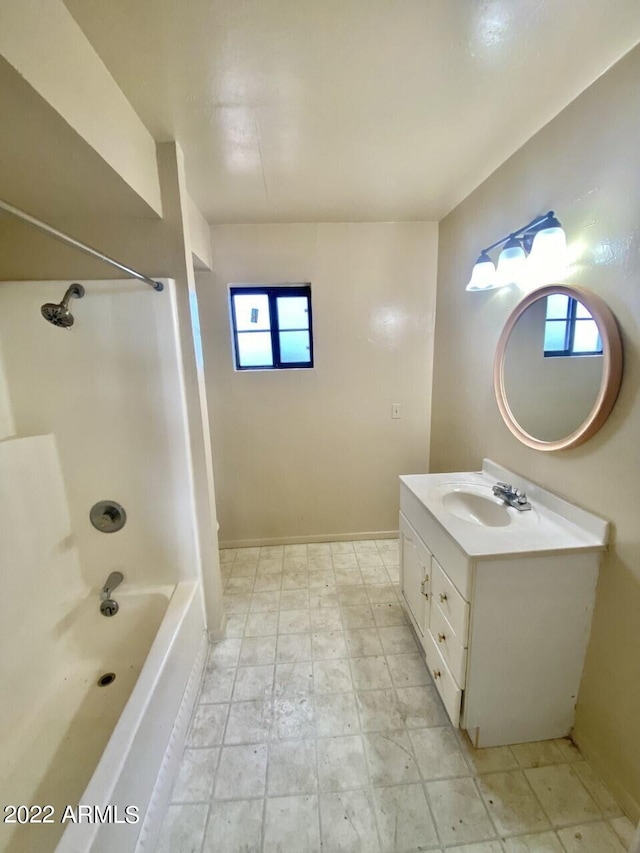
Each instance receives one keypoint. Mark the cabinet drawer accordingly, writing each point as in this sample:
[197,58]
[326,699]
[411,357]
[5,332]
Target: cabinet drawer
[453,653]
[446,686]
[452,604]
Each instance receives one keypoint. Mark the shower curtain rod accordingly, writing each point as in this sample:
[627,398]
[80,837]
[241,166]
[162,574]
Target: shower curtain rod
[71,241]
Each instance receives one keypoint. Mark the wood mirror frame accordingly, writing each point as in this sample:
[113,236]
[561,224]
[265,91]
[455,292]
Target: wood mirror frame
[611,367]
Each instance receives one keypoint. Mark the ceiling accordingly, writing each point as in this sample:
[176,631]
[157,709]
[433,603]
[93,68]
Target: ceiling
[325,110]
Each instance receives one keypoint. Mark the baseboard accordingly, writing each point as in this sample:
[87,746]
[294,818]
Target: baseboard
[303,540]
[150,831]
[629,805]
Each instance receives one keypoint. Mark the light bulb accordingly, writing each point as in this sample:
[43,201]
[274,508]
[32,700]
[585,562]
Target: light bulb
[483,276]
[510,263]
[548,259]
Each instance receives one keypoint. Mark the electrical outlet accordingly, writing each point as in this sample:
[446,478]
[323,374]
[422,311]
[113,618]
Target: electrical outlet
[396,411]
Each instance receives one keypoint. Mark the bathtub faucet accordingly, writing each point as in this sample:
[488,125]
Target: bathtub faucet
[114,580]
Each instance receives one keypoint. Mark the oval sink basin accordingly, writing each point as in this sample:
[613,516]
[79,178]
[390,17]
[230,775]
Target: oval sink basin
[471,506]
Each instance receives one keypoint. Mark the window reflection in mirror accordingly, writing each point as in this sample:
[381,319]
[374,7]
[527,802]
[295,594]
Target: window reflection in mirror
[569,328]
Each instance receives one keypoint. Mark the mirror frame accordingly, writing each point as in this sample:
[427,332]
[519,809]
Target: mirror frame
[611,367]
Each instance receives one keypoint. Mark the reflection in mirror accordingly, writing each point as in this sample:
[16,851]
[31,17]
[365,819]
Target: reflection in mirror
[553,367]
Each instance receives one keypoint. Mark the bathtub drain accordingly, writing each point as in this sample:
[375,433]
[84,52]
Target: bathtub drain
[107,678]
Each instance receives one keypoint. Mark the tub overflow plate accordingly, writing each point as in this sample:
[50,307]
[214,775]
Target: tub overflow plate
[108,516]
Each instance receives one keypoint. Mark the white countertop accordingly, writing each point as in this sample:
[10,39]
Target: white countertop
[553,525]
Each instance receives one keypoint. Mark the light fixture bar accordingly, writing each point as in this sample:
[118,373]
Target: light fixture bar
[533,225]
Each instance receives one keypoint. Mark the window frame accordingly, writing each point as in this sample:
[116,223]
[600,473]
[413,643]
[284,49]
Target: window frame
[569,320]
[272,292]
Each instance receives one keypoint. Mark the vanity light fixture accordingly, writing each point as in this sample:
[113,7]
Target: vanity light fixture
[542,240]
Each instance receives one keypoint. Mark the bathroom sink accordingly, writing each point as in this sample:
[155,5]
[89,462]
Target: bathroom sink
[478,505]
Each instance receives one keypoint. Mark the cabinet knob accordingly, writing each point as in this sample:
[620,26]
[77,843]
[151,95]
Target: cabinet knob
[441,638]
[443,596]
[436,673]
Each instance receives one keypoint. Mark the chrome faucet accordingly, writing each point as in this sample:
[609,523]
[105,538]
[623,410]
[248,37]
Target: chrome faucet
[511,496]
[114,580]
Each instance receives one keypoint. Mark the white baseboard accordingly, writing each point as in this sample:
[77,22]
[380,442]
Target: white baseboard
[302,540]
[150,831]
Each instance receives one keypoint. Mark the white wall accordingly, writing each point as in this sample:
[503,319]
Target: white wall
[315,453]
[110,390]
[7,423]
[585,165]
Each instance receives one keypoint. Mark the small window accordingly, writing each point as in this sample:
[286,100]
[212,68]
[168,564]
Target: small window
[569,328]
[272,327]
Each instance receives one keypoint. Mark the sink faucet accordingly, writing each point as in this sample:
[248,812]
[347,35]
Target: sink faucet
[511,496]
[114,580]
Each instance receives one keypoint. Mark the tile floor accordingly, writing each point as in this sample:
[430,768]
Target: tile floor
[318,728]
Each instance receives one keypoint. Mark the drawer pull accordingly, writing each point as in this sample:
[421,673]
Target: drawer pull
[443,596]
[436,673]
[423,584]
[442,638]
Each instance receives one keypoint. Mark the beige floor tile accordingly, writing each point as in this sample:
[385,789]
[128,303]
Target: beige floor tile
[341,548]
[568,749]
[347,577]
[408,670]
[341,763]
[239,586]
[336,714]
[394,573]
[299,550]
[459,812]
[217,684]
[295,580]
[379,711]
[389,613]
[294,622]
[267,583]
[261,624]
[322,579]
[245,568]
[263,601]
[381,593]
[293,717]
[325,597]
[271,551]
[227,555]
[241,772]
[544,842]
[511,803]
[371,561]
[363,642]
[350,596]
[318,549]
[326,619]
[270,565]
[253,682]
[294,678]
[236,603]
[359,616]
[320,563]
[235,827]
[404,819]
[182,829]
[257,650]
[437,752]
[482,847]
[374,574]
[397,640]
[235,625]
[391,759]
[365,546]
[207,726]
[225,653]
[563,797]
[421,706]
[195,776]
[370,673]
[589,838]
[624,829]
[291,823]
[489,760]
[348,822]
[328,645]
[598,790]
[538,754]
[292,768]
[332,676]
[294,599]
[293,648]
[249,722]
[295,564]
[345,561]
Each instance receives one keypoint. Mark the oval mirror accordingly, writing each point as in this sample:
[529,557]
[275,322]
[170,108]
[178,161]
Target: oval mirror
[558,367]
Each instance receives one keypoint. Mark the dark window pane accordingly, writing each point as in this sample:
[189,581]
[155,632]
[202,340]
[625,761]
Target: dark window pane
[557,305]
[555,335]
[252,311]
[293,312]
[294,347]
[254,349]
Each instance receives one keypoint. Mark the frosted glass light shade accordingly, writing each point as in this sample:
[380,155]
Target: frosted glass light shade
[510,263]
[483,276]
[548,258]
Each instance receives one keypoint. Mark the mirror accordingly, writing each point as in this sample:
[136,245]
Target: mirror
[558,367]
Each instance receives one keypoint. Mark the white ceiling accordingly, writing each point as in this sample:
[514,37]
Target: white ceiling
[318,110]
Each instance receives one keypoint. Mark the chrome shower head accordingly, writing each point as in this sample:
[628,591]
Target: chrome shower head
[58,312]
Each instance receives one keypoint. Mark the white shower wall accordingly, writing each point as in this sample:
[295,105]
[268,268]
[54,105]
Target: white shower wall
[111,391]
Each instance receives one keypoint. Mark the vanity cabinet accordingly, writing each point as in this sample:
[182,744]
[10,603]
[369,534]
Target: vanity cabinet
[504,635]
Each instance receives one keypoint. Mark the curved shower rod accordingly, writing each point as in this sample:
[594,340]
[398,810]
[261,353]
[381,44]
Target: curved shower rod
[71,241]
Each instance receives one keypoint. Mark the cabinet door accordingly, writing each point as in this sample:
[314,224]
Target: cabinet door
[414,568]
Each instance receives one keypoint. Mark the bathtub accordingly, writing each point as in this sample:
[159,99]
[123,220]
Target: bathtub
[103,746]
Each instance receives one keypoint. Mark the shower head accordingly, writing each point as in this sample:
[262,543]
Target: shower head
[58,312]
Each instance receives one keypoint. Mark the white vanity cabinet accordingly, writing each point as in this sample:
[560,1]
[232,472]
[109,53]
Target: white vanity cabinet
[504,616]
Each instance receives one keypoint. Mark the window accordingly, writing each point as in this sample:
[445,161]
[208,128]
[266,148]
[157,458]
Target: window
[569,329]
[272,327]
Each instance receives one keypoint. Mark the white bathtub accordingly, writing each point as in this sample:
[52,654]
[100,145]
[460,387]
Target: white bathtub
[104,746]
